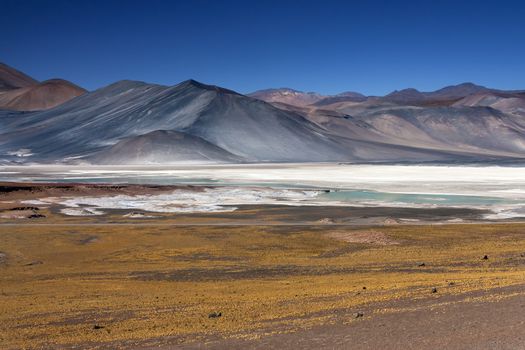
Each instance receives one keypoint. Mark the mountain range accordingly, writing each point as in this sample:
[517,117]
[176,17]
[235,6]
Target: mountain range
[131,122]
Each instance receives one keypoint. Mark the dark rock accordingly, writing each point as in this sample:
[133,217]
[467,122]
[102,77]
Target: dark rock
[364,287]
[36,216]
[98,326]
[358,314]
[434,290]
[25,208]
[215,315]
[421,265]
[485,257]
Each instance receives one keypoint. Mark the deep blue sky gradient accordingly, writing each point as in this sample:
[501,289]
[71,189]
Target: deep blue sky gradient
[328,46]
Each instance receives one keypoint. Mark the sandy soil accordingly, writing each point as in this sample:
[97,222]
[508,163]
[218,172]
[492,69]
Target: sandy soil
[492,319]
[125,286]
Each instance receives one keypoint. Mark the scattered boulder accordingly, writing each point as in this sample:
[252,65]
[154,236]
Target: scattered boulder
[434,290]
[25,208]
[485,257]
[358,314]
[36,216]
[421,265]
[21,213]
[36,262]
[215,315]
[98,326]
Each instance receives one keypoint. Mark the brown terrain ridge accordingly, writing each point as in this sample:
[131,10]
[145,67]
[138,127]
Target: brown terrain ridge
[11,78]
[45,95]
[20,92]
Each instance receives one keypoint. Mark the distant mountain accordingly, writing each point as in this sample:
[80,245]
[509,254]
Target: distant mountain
[442,97]
[40,96]
[288,96]
[303,99]
[22,93]
[348,96]
[477,130]
[508,102]
[406,96]
[11,78]
[456,91]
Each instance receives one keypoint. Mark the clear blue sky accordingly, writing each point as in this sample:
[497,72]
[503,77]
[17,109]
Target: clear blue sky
[328,46]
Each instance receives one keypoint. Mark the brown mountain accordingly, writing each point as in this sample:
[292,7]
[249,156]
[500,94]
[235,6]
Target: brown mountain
[23,93]
[11,78]
[287,96]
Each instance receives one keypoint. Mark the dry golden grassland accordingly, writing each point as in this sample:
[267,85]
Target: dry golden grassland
[142,283]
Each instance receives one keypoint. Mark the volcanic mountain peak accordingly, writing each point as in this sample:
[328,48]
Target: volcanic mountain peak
[458,91]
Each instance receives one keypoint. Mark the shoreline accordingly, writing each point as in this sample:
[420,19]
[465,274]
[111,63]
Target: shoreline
[17,196]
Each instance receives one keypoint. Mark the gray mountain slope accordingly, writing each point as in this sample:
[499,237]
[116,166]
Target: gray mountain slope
[162,147]
[243,126]
[481,130]
[512,103]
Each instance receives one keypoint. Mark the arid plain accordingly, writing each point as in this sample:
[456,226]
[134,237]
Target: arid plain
[312,277]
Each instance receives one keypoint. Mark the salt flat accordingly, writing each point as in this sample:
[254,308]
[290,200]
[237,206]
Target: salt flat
[416,178]
[500,189]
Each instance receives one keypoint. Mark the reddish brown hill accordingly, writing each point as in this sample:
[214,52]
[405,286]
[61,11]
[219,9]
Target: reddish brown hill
[45,95]
[11,78]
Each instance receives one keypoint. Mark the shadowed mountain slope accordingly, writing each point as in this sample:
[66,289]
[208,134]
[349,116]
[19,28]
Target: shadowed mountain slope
[162,147]
[513,103]
[480,130]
